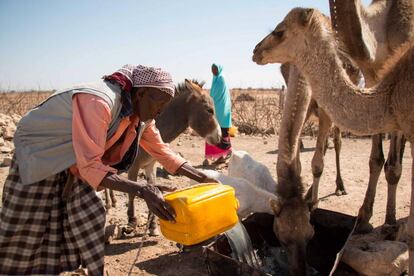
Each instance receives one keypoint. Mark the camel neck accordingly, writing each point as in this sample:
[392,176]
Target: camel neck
[297,101]
[361,111]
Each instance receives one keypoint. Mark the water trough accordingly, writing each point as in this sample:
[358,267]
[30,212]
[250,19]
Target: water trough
[332,230]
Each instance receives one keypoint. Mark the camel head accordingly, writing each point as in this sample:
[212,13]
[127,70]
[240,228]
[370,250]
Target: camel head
[288,39]
[292,221]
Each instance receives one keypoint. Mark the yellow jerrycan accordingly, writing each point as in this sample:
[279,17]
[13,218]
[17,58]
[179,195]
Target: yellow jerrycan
[203,211]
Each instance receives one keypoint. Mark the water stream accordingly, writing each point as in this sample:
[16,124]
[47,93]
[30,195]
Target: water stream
[241,245]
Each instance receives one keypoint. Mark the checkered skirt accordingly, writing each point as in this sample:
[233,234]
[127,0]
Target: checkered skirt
[42,234]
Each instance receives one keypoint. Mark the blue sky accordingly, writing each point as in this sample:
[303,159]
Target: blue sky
[52,44]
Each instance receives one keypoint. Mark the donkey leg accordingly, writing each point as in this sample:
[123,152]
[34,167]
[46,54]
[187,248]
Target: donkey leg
[113,198]
[340,188]
[132,175]
[376,161]
[325,124]
[393,169]
[132,219]
[107,199]
[154,229]
[150,174]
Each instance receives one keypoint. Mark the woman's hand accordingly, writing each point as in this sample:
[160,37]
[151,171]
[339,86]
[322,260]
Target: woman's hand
[151,194]
[194,174]
[156,203]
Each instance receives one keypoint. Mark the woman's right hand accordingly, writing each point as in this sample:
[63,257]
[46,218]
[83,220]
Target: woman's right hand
[156,203]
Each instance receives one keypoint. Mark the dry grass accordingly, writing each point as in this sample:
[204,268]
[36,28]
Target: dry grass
[21,102]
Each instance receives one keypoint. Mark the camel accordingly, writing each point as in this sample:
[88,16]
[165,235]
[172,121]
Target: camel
[371,35]
[305,39]
[191,107]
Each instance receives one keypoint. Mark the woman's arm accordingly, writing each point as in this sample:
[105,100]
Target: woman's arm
[152,196]
[152,142]
[90,120]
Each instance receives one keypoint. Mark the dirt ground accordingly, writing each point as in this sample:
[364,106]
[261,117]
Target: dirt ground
[161,257]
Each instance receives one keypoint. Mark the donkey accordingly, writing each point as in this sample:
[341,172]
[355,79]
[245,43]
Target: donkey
[191,107]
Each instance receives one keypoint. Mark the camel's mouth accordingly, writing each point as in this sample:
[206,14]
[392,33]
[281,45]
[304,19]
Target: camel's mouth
[258,59]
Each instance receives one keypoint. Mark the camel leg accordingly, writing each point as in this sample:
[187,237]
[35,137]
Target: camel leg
[393,168]
[325,124]
[301,145]
[410,224]
[340,188]
[376,161]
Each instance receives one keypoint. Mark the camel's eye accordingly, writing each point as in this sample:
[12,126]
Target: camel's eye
[278,34]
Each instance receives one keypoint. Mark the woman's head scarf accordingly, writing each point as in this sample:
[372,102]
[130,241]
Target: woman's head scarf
[130,76]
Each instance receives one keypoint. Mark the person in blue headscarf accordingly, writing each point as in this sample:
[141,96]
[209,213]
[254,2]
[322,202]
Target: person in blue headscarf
[222,105]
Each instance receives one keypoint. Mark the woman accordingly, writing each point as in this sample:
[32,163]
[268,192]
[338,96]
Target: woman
[76,141]
[222,105]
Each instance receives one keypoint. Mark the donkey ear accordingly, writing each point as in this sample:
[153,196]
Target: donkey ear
[276,206]
[306,16]
[201,83]
[189,84]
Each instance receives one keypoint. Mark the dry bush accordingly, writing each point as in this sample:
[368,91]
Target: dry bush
[259,116]
[263,115]
[21,102]
[245,97]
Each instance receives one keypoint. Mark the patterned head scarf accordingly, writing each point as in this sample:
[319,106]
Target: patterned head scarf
[142,76]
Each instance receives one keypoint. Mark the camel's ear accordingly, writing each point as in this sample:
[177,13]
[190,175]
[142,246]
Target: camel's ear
[306,16]
[276,206]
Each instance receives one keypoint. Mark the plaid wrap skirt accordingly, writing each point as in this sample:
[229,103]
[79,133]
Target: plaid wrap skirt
[43,234]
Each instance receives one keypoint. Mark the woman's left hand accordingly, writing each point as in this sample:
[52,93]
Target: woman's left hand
[189,171]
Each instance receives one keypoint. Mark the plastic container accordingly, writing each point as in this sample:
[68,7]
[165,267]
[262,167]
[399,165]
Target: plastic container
[233,131]
[203,211]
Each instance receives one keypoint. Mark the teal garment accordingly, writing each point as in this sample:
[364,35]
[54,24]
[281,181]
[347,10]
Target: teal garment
[221,96]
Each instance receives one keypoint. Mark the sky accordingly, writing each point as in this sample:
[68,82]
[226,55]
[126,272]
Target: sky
[53,44]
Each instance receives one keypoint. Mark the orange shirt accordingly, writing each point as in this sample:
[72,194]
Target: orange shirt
[95,155]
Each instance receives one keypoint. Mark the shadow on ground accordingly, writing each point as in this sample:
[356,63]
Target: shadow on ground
[120,248]
[185,264]
[302,150]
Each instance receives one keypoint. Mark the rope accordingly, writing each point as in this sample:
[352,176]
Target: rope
[150,220]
